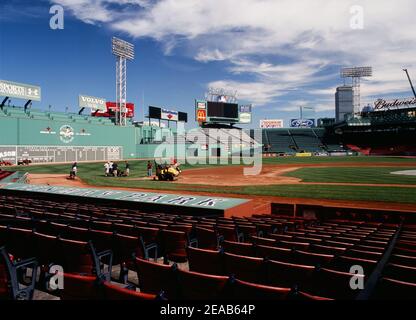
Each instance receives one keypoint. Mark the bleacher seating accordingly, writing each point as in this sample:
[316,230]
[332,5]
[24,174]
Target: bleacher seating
[306,140]
[19,112]
[269,256]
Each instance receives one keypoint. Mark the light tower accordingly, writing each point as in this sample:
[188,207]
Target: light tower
[356,73]
[123,51]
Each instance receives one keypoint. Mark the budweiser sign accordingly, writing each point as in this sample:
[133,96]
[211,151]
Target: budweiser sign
[382,105]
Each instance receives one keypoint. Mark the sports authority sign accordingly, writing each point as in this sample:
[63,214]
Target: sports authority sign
[20,90]
[384,105]
[92,103]
[271,124]
[169,115]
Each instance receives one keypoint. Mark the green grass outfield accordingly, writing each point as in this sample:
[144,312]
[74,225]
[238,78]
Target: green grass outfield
[93,174]
[376,175]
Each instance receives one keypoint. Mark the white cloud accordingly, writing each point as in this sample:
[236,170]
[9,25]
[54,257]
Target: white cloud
[281,44]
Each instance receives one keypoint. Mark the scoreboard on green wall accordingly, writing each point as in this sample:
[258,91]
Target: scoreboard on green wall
[222,112]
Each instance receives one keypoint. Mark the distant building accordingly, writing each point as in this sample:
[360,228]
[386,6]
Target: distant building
[344,103]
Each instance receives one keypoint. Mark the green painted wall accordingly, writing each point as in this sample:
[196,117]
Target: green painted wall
[25,131]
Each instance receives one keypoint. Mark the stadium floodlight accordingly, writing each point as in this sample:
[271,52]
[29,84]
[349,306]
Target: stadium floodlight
[356,72]
[221,95]
[123,51]
[122,48]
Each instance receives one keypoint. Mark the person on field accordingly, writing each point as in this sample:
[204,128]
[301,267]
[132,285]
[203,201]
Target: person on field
[127,172]
[73,172]
[149,169]
[107,169]
[110,164]
[115,169]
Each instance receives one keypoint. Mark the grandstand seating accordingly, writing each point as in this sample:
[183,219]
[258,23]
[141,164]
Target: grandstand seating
[306,140]
[279,257]
[19,112]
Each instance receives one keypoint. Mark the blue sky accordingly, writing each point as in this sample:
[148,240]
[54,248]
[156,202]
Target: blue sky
[273,54]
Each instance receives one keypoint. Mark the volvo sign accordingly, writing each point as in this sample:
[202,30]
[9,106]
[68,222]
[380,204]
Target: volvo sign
[92,103]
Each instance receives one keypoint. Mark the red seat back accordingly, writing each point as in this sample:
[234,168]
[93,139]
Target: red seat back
[243,290]
[174,244]
[115,292]
[240,248]
[79,287]
[156,277]
[199,286]
[282,274]
[244,268]
[205,261]
[207,238]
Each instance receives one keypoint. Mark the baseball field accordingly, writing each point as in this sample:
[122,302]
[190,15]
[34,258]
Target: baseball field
[354,181]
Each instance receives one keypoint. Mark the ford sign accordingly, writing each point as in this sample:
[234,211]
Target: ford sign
[302,123]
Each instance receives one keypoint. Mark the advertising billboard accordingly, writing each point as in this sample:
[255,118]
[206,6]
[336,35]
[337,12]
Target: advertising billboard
[201,115]
[245,113]
[271,124]
[244,117]
[19,90]
[92,102]
[170,115]
[302,123]
[111,109]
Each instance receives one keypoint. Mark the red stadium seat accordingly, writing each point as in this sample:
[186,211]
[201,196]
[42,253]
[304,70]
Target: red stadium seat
[115,292]
[308,297]
[263,241]
[392,289]
[230,233]
[310,258]
[240,248]
[273,253]
[76,233]
[243,290]
[125,229]
[403,260]
[101,225]
[125,250]
[344,264]
[205,261]
[400,272]
[281,236]
[200,286]
[244,268]
[80,287]
[332,284]
[289,275]
[174,244]
[19,243]
[326,249]
[207,238]
[363,254]
[247,230]
[155,278]
[81,258]
[293,245]
[102,240]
